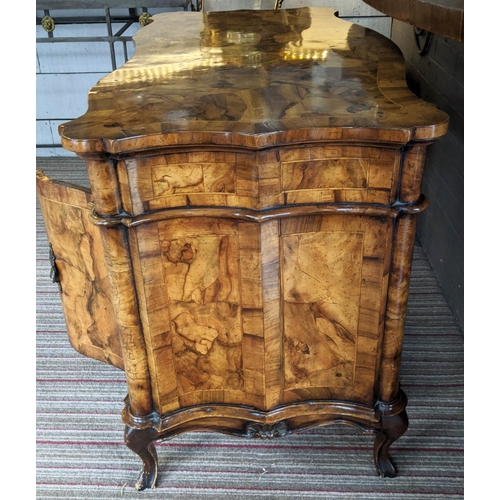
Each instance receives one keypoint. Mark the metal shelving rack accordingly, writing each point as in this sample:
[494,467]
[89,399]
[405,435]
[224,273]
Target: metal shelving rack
[122,13]
[136,13]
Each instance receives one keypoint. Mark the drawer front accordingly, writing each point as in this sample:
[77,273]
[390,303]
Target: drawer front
[339,174]
[214,179]
[260,180]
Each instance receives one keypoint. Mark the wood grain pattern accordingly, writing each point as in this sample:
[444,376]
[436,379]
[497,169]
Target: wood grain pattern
[104,184]
[411,173]
[256,178]
[339,174]
[189,179]
[118,257]
[268,313]
[85,292]
[399,282]
[290,176]
[322,275]
[334,284]
[273,322]
[192,309]
[253,79]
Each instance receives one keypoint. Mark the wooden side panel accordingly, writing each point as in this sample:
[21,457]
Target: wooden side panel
[321,280]
[205,307]
[85,289]
[333,286]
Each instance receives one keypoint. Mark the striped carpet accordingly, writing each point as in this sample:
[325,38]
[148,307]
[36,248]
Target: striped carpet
[80,451]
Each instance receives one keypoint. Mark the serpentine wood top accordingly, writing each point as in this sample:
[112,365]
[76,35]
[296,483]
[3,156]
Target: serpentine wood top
[253,79]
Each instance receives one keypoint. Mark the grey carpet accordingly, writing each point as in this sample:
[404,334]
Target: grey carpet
[81,454]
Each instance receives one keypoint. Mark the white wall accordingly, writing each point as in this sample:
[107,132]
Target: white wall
[65,71]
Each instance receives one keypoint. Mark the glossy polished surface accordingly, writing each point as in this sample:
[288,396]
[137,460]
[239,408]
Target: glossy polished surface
[253,79]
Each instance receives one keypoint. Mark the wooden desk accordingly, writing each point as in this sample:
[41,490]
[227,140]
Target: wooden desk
[244,252]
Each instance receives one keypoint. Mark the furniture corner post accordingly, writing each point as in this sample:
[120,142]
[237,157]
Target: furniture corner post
[412,171]
[399,281]
[104,185]
[405,226]
[107,202]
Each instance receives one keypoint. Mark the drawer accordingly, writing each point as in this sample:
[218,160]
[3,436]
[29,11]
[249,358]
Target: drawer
[213,179]
[260,180]
[339,174]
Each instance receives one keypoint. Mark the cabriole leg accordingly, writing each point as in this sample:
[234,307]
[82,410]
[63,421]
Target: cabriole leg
[141,441]
[392,428]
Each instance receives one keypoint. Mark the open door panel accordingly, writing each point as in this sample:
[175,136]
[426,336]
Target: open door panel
[79,268]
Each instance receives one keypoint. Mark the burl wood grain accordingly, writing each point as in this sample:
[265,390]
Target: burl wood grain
[252,79]
[194,308]
[107,201]
[334,282]
[255,181]
[85,291]
[262,314]
[259,180]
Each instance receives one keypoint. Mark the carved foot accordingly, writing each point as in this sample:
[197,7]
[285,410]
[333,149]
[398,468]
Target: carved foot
[392,428]
[140,441]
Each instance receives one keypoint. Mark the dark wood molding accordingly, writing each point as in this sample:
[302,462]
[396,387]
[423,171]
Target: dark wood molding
[387,421]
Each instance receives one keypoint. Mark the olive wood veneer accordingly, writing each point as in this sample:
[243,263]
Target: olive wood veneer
[244,251]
